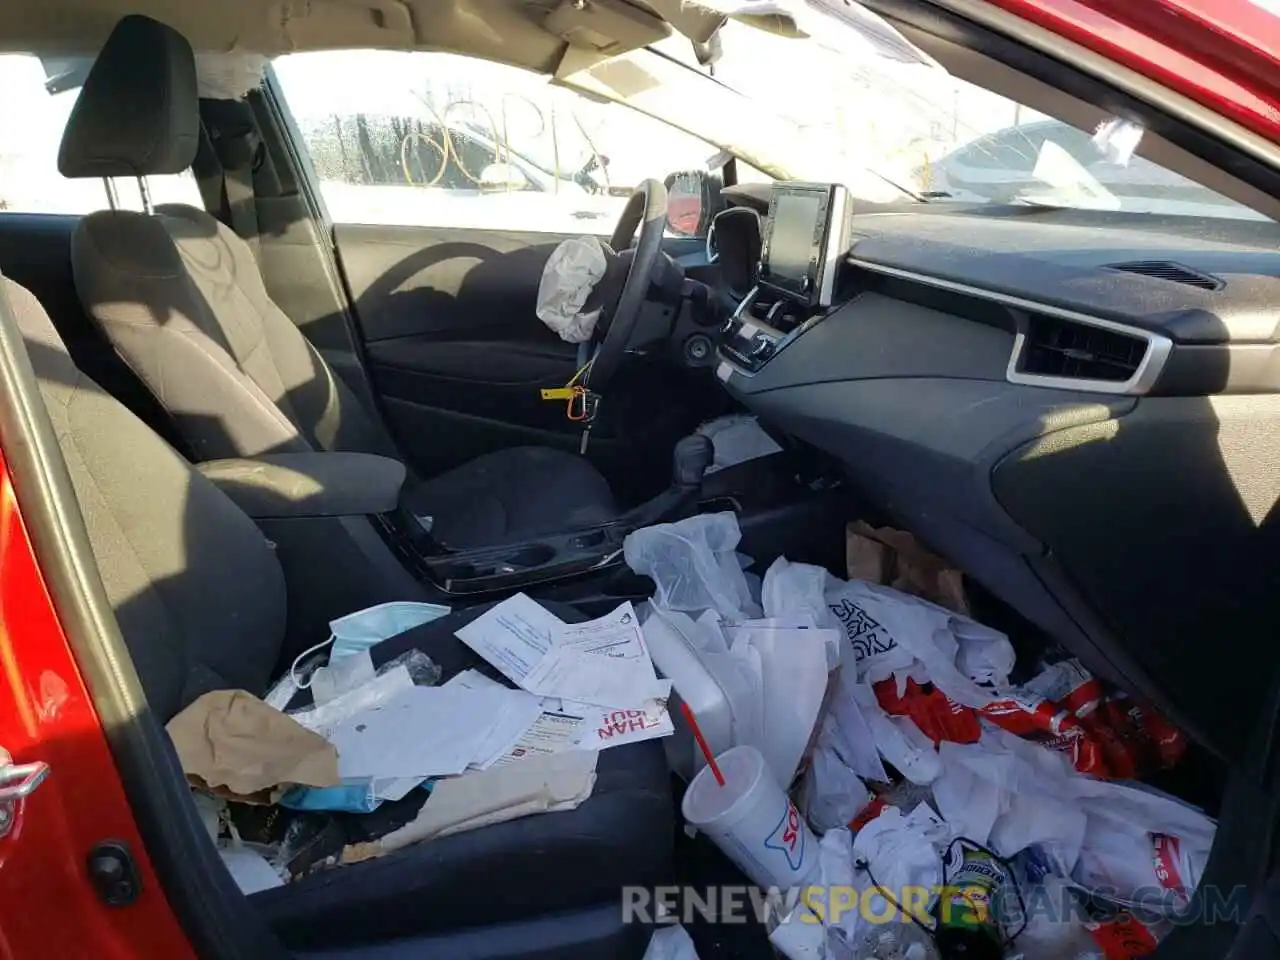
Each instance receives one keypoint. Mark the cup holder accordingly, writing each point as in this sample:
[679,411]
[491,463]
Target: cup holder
[534,555]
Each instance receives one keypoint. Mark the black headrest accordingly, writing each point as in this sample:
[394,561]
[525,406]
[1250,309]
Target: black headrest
[138,111]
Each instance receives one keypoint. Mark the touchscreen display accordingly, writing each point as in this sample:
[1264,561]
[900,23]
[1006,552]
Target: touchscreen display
[791,244]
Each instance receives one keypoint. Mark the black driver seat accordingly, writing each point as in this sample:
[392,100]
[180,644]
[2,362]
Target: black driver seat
[180,297]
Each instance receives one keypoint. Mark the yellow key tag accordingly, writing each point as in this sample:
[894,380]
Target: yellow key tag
[557,393]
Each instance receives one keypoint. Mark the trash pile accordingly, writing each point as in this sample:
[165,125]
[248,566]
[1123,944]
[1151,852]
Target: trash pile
[338,736]
[870,746]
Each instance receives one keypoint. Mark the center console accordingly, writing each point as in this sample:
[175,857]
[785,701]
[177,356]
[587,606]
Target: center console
[805,236]
[507,567]
[783,503]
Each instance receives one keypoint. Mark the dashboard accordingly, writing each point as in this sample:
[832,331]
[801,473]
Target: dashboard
[1080,409]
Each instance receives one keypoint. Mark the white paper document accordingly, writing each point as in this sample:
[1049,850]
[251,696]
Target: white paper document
[519,715]
[514,636]
[571,725]
[249,869]
[324,718]
[422,732]
[604,727]
[474,680]
[602,661]
[395,788]
[551,732]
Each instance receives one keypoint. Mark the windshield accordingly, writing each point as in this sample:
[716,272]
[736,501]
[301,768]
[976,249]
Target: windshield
[862,113]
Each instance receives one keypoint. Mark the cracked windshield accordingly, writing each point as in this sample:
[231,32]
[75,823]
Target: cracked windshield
[439,139]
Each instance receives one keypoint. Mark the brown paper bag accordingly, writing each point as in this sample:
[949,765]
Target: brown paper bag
[896,559]
[230,739]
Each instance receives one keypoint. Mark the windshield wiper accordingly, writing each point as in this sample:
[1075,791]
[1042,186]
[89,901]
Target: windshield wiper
[914,195]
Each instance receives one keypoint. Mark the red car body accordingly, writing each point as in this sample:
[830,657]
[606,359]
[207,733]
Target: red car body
[1223,54]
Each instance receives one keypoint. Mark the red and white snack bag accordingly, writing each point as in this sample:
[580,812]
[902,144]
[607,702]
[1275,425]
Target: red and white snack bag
[937,715]
[1106,735]
[1125,937]
[1067,682]
[1177,866]
[1033,713]
[1025,714]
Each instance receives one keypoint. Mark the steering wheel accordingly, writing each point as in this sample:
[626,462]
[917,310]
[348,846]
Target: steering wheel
[646,210]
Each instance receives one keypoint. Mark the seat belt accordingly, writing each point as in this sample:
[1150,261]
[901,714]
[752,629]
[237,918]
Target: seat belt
[242,206]
[229,151]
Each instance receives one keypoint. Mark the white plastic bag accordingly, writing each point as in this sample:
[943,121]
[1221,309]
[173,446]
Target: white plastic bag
[803,933]
[793,683]
[1118,856]
[853,740]
[1052,933]
[796,590]
[694,564]
[736,438]
[897,738]
[671,943]
[899,853]
[996,794]
[572,272]
[887,633]
[832,793]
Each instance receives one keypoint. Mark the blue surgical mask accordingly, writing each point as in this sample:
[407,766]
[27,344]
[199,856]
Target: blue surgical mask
[365,629]
[350,796]
[369,627]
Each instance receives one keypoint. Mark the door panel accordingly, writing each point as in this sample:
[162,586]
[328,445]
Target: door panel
[419,281]
[459,357]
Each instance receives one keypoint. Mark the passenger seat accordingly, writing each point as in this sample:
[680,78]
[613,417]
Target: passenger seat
[200,600]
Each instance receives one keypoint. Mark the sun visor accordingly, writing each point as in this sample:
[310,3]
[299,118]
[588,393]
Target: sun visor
[834,23]
[604,26]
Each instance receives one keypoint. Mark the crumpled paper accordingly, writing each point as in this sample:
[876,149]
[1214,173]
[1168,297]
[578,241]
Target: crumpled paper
[229,740]
[896,559]
[536,784]
[572,272]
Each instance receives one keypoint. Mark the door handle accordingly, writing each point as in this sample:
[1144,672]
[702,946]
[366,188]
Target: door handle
[17,782]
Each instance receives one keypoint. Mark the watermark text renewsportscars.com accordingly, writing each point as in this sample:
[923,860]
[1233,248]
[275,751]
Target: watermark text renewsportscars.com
[818,904]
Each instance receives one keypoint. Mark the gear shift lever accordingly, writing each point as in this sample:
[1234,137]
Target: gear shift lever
[689,462]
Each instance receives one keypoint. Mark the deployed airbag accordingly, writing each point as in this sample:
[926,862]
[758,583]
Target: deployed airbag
[571,274]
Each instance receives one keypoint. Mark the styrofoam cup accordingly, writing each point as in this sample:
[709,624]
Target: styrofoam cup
[752,820]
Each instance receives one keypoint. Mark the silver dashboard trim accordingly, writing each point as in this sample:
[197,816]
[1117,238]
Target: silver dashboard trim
[1144,378]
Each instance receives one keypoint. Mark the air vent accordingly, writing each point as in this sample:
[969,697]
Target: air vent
[1168,270]
[1070,350]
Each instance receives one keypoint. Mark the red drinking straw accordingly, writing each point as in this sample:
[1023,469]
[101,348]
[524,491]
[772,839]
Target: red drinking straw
[702,742]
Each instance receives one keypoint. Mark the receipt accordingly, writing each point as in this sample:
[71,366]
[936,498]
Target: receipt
[603,661]
[514,636]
